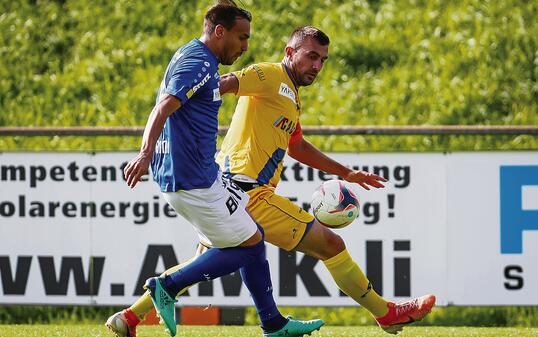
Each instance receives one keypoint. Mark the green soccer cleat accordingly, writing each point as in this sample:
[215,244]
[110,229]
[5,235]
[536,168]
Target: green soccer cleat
[164,304]
[296,328]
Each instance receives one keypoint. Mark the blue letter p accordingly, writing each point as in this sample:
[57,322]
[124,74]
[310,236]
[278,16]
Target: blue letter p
[514,220]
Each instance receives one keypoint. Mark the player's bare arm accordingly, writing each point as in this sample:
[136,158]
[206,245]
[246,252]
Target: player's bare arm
[228,84]
[138,166]
[303,151]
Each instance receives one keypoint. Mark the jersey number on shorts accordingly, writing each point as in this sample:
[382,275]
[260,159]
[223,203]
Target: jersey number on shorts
[232,201]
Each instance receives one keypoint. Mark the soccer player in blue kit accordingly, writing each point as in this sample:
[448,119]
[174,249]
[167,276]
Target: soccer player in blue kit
[179,142]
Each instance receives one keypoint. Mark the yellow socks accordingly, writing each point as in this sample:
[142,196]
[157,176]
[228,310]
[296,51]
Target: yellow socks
[352,281]
[143,305]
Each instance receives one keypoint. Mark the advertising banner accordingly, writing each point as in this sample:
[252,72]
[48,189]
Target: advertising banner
[463,226]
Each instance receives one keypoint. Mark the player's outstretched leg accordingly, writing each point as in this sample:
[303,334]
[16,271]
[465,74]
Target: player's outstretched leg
[296,328]
[164,303]
[401,314]
[123,323]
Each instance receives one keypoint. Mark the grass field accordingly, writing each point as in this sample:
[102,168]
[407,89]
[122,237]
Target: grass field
[242,331]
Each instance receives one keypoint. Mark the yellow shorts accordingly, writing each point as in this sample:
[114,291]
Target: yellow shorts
[283,221]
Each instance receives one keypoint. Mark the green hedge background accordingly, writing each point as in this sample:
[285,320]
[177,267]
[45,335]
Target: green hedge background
[408,62]
[523,316]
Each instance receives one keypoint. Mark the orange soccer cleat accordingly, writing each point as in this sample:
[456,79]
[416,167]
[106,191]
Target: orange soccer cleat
[401,314]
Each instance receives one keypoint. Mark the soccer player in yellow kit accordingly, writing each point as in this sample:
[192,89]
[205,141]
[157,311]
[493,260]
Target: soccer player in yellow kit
[264,127]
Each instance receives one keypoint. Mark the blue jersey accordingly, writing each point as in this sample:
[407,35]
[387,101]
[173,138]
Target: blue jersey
[184,156]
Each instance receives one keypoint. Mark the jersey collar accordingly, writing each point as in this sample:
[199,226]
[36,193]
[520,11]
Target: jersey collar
[209,52]
[288,71]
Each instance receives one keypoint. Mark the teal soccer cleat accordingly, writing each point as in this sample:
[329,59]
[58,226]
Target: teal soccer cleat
[164,303]
[296,328]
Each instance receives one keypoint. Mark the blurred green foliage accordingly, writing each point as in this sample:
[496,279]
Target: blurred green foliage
[408,62]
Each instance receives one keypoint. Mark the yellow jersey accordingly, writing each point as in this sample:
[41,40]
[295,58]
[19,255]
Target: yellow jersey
[265,118]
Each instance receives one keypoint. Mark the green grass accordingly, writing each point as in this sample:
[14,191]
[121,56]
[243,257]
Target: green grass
[240,331]
[451,316]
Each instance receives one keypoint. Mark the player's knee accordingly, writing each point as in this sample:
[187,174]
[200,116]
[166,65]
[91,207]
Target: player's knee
[253,240]
[334,245]
[258,236]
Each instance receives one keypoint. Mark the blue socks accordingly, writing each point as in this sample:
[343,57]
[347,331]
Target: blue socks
[214,263]
[256,277]
[254,268]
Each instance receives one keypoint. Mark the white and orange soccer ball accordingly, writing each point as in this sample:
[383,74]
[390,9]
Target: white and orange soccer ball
[334,204]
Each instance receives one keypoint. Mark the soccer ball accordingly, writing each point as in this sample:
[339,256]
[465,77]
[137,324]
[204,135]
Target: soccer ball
[334,204]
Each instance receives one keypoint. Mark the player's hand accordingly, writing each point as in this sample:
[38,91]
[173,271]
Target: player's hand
[136,168]
[365,179]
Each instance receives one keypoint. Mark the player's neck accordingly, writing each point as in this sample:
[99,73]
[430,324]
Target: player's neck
[211,45]
[291,73]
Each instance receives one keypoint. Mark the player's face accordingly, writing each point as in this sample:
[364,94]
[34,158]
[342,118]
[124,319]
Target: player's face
[235,41]
[307,61]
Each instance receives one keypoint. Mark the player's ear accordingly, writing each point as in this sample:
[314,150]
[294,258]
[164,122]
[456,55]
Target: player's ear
[288,51]
[219,31]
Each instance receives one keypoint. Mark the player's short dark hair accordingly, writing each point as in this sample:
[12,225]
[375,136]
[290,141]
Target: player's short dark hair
[302,33]
[224,13]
